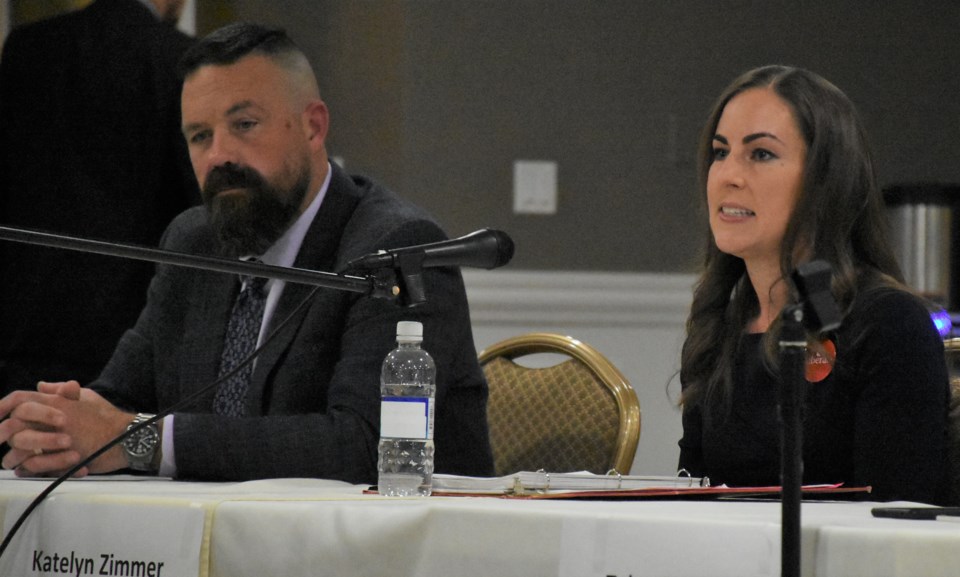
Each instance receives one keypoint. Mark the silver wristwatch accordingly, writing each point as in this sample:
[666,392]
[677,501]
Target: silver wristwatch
[141,447]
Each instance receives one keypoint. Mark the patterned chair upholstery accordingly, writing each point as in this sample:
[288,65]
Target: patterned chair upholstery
[952,349]
[578,415]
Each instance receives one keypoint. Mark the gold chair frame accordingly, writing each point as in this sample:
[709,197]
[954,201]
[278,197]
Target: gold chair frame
[628,434]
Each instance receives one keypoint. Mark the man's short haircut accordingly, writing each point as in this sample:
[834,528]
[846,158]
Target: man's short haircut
[229,44]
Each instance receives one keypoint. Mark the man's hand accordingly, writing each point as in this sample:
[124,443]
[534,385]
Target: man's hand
[51,430]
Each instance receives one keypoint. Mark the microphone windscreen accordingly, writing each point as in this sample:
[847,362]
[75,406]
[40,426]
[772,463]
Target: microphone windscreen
[504,248]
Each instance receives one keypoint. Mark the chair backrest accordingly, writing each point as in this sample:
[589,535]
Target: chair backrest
[578,415]
[952,350]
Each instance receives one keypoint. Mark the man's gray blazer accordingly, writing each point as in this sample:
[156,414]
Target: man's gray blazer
[313,405]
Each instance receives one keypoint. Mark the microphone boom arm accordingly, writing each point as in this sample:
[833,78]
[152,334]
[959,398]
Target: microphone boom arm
[486,248]
[370,285]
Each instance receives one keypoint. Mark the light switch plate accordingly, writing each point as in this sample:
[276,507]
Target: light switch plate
[534,187]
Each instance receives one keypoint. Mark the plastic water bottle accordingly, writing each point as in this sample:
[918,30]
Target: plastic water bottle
[407,389]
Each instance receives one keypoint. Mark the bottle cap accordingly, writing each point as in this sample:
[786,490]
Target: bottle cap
[409,331]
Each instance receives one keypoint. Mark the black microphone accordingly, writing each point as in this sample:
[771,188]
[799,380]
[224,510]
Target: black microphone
[486,248]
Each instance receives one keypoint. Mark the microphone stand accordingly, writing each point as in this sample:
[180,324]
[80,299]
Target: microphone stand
[814,312]
[378,287]
[793,345]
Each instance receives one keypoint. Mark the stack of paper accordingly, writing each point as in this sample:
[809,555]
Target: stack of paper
[529,482]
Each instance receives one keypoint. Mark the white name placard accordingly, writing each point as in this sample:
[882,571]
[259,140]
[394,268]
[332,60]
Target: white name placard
[66,536]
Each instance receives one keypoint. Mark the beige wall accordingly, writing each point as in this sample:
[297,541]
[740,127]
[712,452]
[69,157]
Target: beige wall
[438,98]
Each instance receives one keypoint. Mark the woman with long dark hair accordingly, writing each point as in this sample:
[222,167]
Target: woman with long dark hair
[786,177]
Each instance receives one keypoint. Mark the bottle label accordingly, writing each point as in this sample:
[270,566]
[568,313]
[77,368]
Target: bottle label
[406,418]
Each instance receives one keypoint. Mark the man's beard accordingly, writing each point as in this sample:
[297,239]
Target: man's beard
[249,219]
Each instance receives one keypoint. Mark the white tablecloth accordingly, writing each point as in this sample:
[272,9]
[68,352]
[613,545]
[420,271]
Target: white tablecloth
[289,527]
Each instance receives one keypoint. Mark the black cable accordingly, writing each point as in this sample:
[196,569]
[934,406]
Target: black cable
[183,403]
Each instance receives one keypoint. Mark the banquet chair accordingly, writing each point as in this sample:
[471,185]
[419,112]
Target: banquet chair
[952,352]
[580,414]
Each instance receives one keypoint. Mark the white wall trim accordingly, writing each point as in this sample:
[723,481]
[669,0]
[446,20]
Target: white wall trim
[578,298]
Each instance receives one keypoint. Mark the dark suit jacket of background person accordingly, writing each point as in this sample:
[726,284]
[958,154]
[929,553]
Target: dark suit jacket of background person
[90,145]
[318,386]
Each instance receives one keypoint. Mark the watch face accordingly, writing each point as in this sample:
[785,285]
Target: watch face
[143,442]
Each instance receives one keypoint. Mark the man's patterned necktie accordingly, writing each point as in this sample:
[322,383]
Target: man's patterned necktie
[241,339]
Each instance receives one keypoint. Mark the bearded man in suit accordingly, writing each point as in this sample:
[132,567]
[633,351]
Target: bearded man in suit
[256,130]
